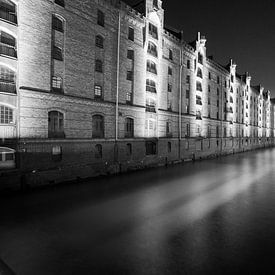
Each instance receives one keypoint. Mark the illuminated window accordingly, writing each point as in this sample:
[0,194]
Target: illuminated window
[151,67]
[129,128]
[100,18]
[98,92]
[7,45]
[57,24]
[152,49]
[8,11]
[7,80]
[98,66]
[57,53]
[98,151]
[60,2]
[131,34]
[98,126]
[151,86]
[6,115]
[55,125]
[57,84]
[153,31]
[99,41]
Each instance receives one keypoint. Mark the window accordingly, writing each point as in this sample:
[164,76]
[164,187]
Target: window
[7,158]
[98,92]
[100,18]
[129,98]
[217,131]
[57,153]
[57,53]
[188,64]
[169,88]
[129,75]
[130,54]
[200,58]
[6,115]
[57,24]
[199,73]
[98,151]
[131,34]
[198,115]
[208,131]
[169,105]
[187,95]
[188,79]
[99,41]
[153,31]
[151,148]
[129,149]
[198,100]
[187,130]
[98,66]
[98,126]
[60,3]
[8,11]
[209,75]
[151,67]
[155,4]
[218,92]
[218,79]
[170,54]
[168,129]
[151,86]
[57,84]
[152,49]
[7,44]
[129,128]
[199,86]
[169,147]
[150,105]
[7,80]
[170,71]
[55,125]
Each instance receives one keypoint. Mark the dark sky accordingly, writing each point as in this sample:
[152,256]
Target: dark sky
[242,30]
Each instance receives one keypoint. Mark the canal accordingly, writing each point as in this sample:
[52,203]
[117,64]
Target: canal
[209,217]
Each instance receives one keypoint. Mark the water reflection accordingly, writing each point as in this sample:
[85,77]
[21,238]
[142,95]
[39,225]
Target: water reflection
[209,217]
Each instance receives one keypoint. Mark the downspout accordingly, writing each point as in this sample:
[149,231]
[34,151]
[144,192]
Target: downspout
[222,105]
[180,102]
[117,75]
[117,88]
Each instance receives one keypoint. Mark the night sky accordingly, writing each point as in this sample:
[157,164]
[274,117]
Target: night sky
[239,29]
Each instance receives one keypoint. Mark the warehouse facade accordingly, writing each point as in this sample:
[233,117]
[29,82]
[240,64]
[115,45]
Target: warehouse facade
[96,87]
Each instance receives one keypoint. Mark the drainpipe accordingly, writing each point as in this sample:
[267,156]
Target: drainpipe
[117,86]
[222,105]
[180,101]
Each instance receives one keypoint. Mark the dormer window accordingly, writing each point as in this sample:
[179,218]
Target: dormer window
[8,11]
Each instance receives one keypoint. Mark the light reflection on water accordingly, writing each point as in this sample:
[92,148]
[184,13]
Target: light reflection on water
[210,217]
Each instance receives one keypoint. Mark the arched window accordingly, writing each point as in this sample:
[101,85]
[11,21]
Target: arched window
[98,151]
[151,148]
[99,41]
[8,11]
[98,66]
[57,84]
[129,127]
[55,125]
[57,24]
[7,80]
[151,86]
[98,126]
[7,44]
[7,158]
[6,115]
[152,49]
[199,73]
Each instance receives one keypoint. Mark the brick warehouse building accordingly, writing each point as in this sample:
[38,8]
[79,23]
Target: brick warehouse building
[94,87]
